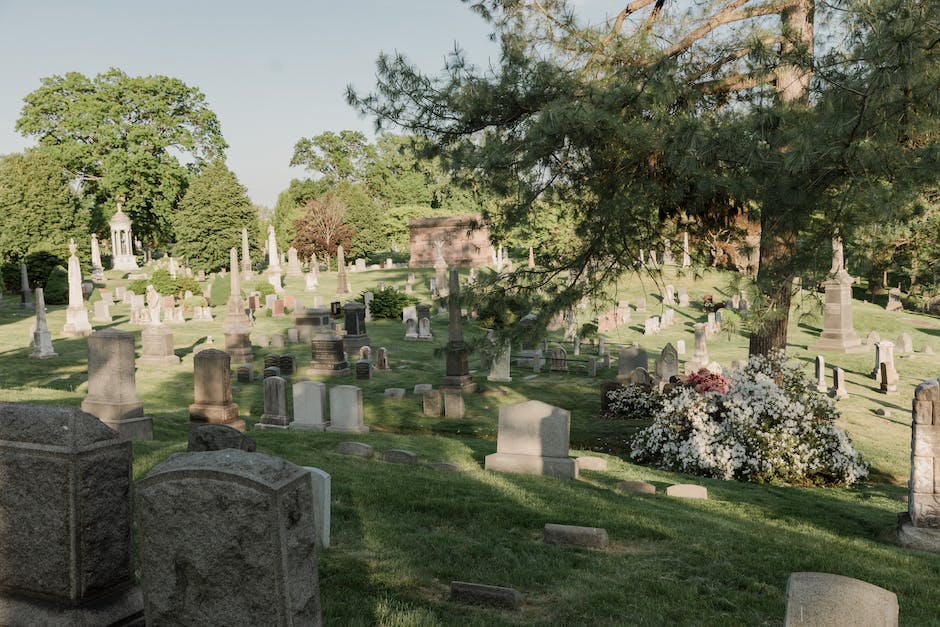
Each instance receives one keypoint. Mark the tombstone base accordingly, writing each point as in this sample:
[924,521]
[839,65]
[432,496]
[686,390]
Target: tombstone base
[499,379]
[463,383]
[108,411]
[352,343]
[343,429]
[308,426]
[137,428]
[238,347]
[201,413]
[561,467]
[273,421]
[72,330]
[843,343]
[124,608]
[920,538]
[330,372]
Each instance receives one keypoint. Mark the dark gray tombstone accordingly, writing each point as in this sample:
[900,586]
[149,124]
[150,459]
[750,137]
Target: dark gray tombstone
[228,538]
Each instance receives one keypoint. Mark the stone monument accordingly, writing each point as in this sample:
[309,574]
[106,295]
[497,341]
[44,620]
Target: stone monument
[97,270]
[122,242]
[42,338]
[838,334]
[354,317]
[457,375]
[26,294]
[342,283]
[112,386]
[76,316]
[919,526]
[532,439]
[247,273]
[212,380]
[236,326]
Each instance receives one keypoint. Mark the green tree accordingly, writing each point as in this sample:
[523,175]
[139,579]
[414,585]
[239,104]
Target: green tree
[291,206]
[38,208]
[658,117]
[122,137]
[211,217]
[336,157]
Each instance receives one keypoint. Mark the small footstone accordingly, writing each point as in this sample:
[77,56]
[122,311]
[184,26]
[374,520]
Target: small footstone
[394,392]
[687,491]
[483,594]
[589,462]
[572,535]
[444,466]
[398,456]
[637,487]
[356,449]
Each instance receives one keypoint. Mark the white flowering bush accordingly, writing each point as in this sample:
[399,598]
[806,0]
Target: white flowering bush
[772,425]
[633,402]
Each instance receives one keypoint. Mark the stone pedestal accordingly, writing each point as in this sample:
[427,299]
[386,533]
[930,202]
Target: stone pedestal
[212,378]
[157,347]
[112,386]
[76,322]
[354,315]
[238,346]
[838,335]
[919,527]
[66,551]
[309,322]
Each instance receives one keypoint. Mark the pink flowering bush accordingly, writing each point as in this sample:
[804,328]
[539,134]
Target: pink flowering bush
[707,381]
[771,425]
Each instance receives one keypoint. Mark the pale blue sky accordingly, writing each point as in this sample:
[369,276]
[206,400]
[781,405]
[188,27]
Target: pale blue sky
[273,71]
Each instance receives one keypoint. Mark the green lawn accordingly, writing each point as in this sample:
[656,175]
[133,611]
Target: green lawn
[401,534]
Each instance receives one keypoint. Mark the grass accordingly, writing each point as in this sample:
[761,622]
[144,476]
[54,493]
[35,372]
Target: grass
[401,534]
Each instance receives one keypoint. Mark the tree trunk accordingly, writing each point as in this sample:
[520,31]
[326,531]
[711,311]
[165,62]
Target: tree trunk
[775,279]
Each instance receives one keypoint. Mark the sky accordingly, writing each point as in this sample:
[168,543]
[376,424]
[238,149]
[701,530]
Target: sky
[272,70]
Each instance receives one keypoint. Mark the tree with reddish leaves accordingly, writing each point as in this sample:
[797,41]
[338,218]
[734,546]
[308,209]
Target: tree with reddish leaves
[323,227]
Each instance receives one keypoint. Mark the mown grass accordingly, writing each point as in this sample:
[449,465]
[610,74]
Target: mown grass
[401,534]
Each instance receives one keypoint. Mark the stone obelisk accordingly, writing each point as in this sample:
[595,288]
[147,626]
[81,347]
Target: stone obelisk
[236,326]
[457,375]
[342,284]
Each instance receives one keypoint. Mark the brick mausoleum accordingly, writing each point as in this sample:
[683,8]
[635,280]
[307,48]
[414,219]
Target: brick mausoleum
[466,241]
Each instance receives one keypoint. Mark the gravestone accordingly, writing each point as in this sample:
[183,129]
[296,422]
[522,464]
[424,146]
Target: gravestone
[919,526]
[836,601]
[680,347]
[346,410]
[821,374]
[354,316]
[102,312]
[275,404]
[894,300]
[667,366]
[342,283]
[433,404]
[683,297]
[66,551]
[559,359]
[904,344]
[287,364]
[218,438]
[309,406]
[157,346]
[669,296]
[500,366]
[381,359]
[327,357]
[887,374]
[321,481]
[203,560]
[270,371]
[532,438]
[700,356]
[838,334]
[212,398]
[424,322]
[457,369]
[236,326]
[26,294]
[76,316]
[309,322]
[42,337]
[838,384]
[641,305]
[629,359]
[482,594]
[572,535]
[454,406]
[112,388]
[873,338]
[364,369]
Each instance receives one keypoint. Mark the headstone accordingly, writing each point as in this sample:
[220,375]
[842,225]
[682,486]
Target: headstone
[354,317]
[454,406]
[293,336]
[309,322]
[355,449]
[686,257]
[245,373]
[669,296]
[571,535]
[821,374]
[683,297]
[687,491]
[667,366]
[432,403]
[381,359]
[287,364]
[275,403]
[836,601]
[394,393]
[838,384]
[293,263]
[481,594]
[112,388]
[838,334]
[904,344]
[532,438]
[424,322]
[559,359]
[309,406]
[680,347]
[894,300]
[42,337]
[218,438]
[66,558]
[157,347]
[641,305]
[270,371]
[398,456]
[363,369]
[500,366]
[203,560]
[367,299]
[636,487]
[212,402]
[236,326]
[102,312]
[700,356]
[873,338]
[342,283]
[629,359]
[889,379]
[590,462]
[346,410]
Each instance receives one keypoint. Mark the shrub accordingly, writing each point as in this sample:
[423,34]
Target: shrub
[56,290]
[633,402]
[264,288]
[388,303]
[772,425]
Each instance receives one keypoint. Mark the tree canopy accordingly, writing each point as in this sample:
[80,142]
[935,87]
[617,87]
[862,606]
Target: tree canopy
[670,116]
[124,137]
[211,217]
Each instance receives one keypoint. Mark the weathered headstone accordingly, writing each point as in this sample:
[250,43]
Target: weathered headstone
[66,551]
[309,406]
[321,481]
[433,404]
[457,369]
[821,374]
[454,406]
[500,366]
[203,560]
[275,403]
[532,438]
[211,437]
[904,344]
[894,300]
[838,384]
[629,359]
[112,387]
[327,357]
[919,527]
[236,326]
[342,283]
[346,413]
[888,375]
[156,346]
[667,366]
[42,337]
[836,601]
[212,379]
[572,535]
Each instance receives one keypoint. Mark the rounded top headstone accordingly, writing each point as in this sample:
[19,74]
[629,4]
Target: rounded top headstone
[257,467]
[66,427]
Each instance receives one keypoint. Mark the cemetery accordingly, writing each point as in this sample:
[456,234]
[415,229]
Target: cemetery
[633,322]
[442,477]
